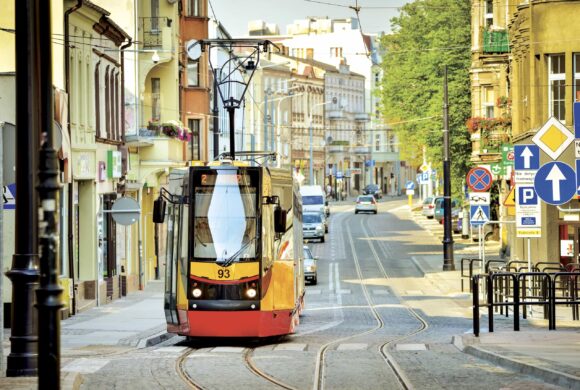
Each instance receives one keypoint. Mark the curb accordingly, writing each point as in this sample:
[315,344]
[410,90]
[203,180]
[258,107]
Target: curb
[155,339]
[545,374]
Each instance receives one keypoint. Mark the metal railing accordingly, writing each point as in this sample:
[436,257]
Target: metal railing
[152,28]
[505,290]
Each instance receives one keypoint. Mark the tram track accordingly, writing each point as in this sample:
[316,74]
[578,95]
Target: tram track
[182,372]
[319,376]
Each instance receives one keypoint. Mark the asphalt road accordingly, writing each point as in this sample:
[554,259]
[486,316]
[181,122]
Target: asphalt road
[373,321]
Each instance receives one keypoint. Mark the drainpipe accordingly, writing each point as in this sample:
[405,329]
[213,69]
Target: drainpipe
[70,224]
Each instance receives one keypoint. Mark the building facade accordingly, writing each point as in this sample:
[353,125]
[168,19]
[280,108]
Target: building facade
[545,82]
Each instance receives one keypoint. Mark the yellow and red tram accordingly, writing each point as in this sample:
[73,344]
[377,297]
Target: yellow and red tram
[234,251]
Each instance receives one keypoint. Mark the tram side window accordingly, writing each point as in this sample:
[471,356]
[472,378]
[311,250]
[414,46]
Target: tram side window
[184,235]
[169,248]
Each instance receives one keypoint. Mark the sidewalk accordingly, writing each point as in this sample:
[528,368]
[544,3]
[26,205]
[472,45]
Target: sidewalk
[135,321]
[552,356]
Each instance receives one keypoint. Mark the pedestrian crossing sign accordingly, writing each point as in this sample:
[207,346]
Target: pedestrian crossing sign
[479,214]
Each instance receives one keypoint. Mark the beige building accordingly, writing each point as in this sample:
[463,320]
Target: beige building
[545,82]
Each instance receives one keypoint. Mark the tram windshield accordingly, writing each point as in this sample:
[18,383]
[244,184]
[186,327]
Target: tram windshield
[225,215]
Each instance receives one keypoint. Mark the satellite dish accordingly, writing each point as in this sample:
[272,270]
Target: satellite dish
[193,49]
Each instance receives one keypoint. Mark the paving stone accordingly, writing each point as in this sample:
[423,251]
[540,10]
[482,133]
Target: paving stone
[170,350]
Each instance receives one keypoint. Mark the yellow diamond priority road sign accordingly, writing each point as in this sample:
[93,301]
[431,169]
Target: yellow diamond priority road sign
[553,138]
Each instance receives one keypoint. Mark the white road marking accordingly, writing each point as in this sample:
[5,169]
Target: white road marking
[344,291]
[85,366]
[169,350]
[330,277]
[352,347]
[290,347]
[338,290]
[411,347]
[228,349]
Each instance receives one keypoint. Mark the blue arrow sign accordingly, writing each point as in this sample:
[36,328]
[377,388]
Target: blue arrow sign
[576,119]
[479,214]
[526,157]
[555,183]
[410,185]
[578,175]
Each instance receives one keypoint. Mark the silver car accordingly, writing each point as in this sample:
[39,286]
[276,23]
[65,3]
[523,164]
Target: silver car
[310,266]
[429,206]
[313,226]
[365,203]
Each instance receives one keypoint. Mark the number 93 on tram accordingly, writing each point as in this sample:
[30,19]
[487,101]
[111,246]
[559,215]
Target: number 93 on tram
[233,252]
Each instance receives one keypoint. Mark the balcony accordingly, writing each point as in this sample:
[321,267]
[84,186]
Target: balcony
[361,117]
[361,149]
[156,32]
[335,114]
[495,42]
[491,142]
[338,147]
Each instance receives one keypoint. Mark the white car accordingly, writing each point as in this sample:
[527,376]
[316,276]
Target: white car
[365,203]
[429,206]
[310,266]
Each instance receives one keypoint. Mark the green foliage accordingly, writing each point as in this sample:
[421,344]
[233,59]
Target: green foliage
[429,35]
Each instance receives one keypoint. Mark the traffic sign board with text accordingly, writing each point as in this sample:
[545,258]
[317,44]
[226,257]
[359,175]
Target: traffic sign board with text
[528,212]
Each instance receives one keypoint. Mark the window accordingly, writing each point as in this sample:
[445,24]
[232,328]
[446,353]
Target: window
[488,13]
[192,73]
[310,53]
[487,101]
[557,86]
[193,8]
[377,142]
[107,104]
[97,102]
[155,99]
[194,127]
[577,77]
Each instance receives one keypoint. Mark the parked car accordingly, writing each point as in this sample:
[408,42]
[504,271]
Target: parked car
[313,226]
[365,203]
[310,266]
[373,189]
[326,207]
[429,206]
[455,210]
[325,221]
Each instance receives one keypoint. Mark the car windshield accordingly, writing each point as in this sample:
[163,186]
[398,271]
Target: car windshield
[307,254]
[310,200]
[365,198]
[311,218]
[372,187]
[428,200]
[225,223]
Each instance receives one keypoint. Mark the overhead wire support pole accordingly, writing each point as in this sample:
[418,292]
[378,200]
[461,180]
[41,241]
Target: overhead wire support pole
[23,357]
[448,261]
[215,116]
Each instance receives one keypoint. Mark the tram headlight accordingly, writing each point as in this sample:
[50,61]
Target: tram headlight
[196,292]
[251,293]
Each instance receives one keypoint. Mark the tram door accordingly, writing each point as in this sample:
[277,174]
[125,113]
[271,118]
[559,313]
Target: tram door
[170,297]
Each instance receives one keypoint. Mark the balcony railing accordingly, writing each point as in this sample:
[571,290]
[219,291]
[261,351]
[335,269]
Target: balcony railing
[491,142]
[152,28]
[496,42]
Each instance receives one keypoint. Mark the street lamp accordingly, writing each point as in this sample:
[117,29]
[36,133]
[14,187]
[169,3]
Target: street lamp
[310,132]
[290,94]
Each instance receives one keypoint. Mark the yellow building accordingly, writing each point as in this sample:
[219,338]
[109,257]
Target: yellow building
[545,82]
[490,53]
[159,142]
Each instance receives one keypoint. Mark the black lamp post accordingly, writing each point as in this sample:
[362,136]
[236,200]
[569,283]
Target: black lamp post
[448,261]
[23,357]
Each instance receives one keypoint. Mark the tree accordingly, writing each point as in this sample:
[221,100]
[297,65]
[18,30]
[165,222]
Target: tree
[427,35]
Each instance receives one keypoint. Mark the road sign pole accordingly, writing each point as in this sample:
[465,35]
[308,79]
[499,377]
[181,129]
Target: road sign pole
[448,262]
[410,201]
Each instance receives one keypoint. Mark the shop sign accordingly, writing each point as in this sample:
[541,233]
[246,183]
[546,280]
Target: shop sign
[113,164]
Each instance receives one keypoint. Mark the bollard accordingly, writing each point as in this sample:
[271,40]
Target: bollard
[516,304]
[490,281]
[525,307]
[475,291]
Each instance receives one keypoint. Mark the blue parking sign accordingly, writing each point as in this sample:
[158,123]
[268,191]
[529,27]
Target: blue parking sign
[527,196]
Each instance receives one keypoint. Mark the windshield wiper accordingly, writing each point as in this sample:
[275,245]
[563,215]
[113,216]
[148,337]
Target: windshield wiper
[231,259]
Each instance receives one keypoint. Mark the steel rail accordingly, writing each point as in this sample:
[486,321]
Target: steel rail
[180,369]
[320,358]
[254,369]
[423,325]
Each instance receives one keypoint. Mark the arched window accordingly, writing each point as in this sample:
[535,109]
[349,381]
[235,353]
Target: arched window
[107,104]
[97,102]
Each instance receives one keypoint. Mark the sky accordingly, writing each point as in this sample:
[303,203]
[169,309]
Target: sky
[235,14]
